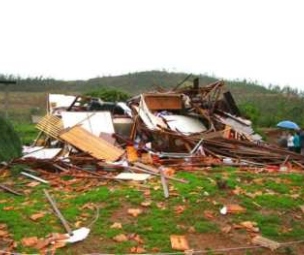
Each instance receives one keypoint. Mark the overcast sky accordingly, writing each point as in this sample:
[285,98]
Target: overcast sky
[258,40]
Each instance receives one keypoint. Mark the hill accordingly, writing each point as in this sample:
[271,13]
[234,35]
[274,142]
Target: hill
[265,106]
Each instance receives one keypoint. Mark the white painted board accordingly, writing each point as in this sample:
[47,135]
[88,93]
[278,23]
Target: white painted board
[59,101]
[47,153]
[184,124]
[132,176]
[93,122]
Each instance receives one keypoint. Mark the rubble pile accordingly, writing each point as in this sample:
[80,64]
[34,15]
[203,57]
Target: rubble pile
[186,127]
[85,142]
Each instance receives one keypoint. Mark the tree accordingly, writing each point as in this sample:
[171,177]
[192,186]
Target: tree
[249,111]
[10,144]
[109,95]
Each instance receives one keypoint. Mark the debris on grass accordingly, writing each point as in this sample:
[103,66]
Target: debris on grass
[250,226]
[37,216]
[302,208]
[196,128]
[146,203]
[120,238]
[116,225]
[179,242]
[135,211]
[226,229]
[265,242]
[137,249]
[232,209]
[29,241]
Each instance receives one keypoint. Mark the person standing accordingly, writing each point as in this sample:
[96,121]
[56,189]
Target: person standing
[290,144]
[302,141]
[282,141]
[296,142]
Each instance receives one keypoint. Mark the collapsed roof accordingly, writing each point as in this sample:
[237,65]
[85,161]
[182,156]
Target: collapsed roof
[190,113]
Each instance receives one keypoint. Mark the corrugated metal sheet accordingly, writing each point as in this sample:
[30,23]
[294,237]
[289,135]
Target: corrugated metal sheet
[93,145]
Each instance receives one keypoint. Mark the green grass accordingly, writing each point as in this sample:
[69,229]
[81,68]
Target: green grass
[279,203]
[26,131]
[274,213]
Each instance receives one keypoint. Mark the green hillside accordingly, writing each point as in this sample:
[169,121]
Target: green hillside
[265,106]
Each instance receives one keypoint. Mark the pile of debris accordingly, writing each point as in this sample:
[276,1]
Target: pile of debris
[155,133]
[185,127]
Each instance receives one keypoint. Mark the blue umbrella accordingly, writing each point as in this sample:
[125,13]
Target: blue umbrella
[288,124]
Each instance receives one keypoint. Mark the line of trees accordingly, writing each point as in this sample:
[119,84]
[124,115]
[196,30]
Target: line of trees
[264,105]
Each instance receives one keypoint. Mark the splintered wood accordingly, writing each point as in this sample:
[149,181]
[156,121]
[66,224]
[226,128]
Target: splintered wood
[93,145]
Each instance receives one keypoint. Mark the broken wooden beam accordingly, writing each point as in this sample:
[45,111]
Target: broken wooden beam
[34,177]
[60,168]
[265,242]
[58,213]
[164,183]
[149,171]
[10,190]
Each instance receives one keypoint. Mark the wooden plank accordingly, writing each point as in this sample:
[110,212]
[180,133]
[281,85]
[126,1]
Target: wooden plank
[164,183]
[93,145]
[179,243]
[10,190]
[147,169]
[265,242]
[58,213]
[163,102]
[51,125]
[34,177]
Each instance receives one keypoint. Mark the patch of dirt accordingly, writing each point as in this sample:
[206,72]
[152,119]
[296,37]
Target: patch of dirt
[121,215]
[91,245]
[221,243]
[226,244]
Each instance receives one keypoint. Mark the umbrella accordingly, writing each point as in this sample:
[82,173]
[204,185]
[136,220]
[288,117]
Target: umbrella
[288,124]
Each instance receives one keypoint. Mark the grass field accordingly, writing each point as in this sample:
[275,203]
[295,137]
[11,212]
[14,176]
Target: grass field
[271,201]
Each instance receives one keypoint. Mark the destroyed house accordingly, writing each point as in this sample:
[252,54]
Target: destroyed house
[194,124]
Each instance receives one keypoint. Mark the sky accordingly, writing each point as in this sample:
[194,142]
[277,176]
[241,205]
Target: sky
[256,40]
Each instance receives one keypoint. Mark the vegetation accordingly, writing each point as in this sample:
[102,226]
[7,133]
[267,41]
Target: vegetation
[10,144]
[27,132]
[110,95]
[266,106]
[193,210]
